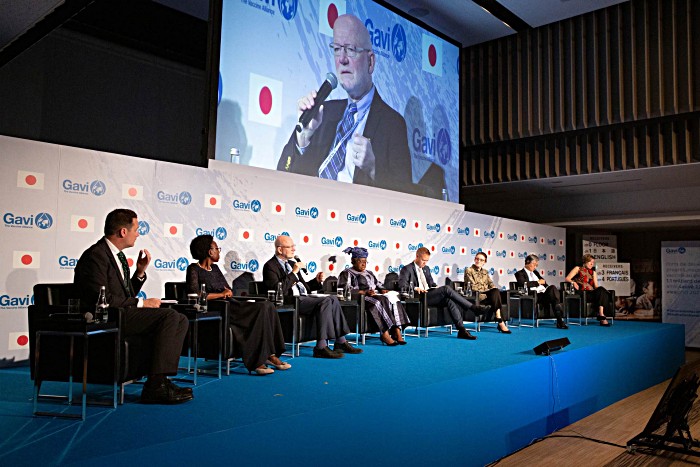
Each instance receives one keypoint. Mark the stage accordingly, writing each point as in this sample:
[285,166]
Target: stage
[434,401]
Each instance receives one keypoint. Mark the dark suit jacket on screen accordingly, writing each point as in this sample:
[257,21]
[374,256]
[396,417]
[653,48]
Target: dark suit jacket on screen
[386,129]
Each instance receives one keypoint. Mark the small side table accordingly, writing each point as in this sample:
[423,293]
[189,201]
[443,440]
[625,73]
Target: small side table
[63,326]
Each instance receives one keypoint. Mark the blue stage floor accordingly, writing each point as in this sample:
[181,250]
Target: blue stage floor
[436,400]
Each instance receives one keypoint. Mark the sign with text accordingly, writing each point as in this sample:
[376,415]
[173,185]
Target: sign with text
[602,247]
[680,272]
[614,276]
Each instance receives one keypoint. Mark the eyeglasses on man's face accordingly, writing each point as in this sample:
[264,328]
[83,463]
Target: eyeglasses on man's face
[217,248]
[350,50]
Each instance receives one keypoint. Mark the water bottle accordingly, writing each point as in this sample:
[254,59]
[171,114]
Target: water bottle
[444,194]
[348,290]
[280,295]
[202,302]
[411,290]
[101,307]
[235,156]
[468,289]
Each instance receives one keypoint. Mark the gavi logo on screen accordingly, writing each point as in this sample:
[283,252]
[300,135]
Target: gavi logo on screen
[673,251]
[389,41]
[250,266]
[433,228]
[310,213]
[288,8]
[398,223]
[414,247]
[360,218]
[178,264]
[429,147]
[184,197]
[66,262]
[8,301]
[40,220]
[144,228]
[96,187]
[449,250]
[463,230]
[250,206]
[374,245]
[335,242]
[311,266]
[218,233]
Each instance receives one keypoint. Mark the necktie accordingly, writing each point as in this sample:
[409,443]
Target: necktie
[337,162]
[125,272]
[300,289]
[422,279]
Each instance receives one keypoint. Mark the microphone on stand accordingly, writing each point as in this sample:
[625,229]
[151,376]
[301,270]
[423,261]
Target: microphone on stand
[307,115]
[296,258]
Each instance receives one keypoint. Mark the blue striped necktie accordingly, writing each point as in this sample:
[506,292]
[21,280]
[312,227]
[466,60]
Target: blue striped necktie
[337,162]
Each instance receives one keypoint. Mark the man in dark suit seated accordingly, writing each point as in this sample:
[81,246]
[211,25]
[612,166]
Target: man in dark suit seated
[330,321]
[546,295]
[104,264]
[418,273]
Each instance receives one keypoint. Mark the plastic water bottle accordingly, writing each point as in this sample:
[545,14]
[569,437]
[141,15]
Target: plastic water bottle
[348,290]
[468,289]
[280,295]
[235,156]
[444,194]
[101,308]
[202,302]
[411,290]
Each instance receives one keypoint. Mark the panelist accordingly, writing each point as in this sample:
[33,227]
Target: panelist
[418,273]
[355,140]
[385,306]
[104,265]
[255,326]
[547,295]
[482,283]
[330,321]
[585,278]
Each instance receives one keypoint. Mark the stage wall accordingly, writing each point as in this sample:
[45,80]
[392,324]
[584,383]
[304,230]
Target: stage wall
[56,198]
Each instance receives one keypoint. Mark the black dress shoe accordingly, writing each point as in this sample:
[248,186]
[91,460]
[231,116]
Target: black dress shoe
[345,347]
[464,334]
[326,352]
[176,388]
[164,393]
[562,325]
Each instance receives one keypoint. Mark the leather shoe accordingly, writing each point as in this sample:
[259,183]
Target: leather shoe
[345,347]
[481,309]
[176,388]
[464,334]
[562,325]
[326,352]
[164,393]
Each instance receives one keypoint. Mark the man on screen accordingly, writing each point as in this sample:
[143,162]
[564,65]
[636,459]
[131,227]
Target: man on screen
[356,140]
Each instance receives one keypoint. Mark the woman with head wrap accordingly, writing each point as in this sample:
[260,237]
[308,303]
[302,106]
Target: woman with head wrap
[384,306]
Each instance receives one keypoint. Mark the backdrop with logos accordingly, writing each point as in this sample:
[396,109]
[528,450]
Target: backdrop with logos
[56,199]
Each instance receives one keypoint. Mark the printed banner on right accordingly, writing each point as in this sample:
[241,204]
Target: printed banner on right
[680,272]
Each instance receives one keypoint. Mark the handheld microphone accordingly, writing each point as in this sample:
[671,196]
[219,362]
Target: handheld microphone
[307,115]
[299,261]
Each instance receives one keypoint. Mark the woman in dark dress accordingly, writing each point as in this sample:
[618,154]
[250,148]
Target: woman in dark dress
[384,306]
[256,326]
[585,278]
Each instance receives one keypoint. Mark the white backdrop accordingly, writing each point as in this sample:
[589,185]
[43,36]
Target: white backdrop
[56,198]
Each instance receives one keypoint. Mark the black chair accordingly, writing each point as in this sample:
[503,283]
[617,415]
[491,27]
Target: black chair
[391,281]
[133,359]
[577,303]
[330,285]
[526,303]
[214,339]
[468,316]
